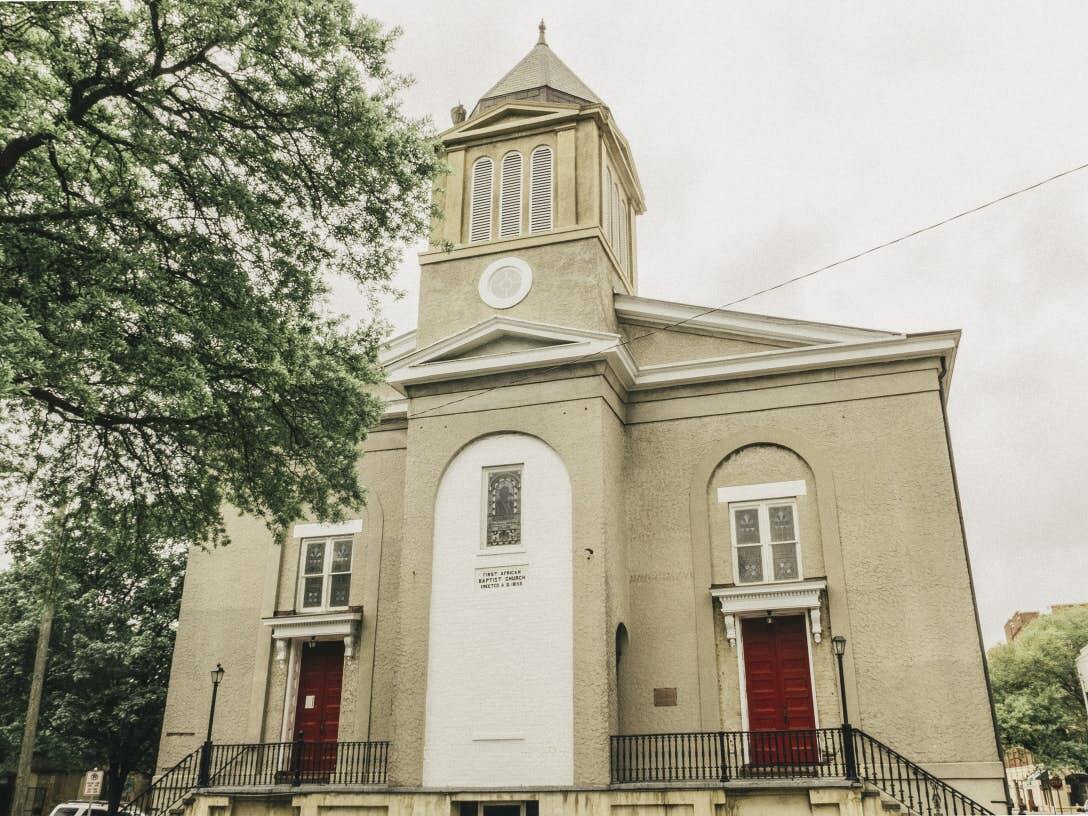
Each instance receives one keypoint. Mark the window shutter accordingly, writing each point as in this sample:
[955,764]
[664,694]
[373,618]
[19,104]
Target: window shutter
[479,227]
[510,196]
[540,196]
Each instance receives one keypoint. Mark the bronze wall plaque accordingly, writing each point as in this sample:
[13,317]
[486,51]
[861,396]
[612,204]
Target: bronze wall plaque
[664,696]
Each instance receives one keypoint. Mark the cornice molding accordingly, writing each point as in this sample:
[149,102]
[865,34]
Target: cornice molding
[568,345]
[507,245]
[397,348]
[663,314]
[769,598]
[344,624]
[805,358]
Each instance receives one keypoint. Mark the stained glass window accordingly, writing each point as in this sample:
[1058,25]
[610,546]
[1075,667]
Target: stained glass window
[766,542]
[750,564]
[326,573]
[781,522]
[747,526]
[503,508]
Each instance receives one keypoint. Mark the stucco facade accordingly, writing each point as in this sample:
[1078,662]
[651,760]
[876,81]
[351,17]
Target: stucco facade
[648,439]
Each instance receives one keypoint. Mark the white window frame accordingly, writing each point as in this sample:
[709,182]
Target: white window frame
[326,573]
[765,544]
[509,548]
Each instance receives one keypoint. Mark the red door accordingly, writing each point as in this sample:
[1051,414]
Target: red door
[779,690]
[317,713]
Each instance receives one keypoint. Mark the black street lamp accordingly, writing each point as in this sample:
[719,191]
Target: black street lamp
[206,752]
[838,644]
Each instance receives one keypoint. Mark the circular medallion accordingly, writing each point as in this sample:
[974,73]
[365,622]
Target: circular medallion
[505,282]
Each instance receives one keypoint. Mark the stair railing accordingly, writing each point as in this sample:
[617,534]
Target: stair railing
[919,791]
[169,789]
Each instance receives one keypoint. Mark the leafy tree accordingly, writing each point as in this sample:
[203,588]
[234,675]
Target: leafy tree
[178,182]
[1037,693]
[113,634]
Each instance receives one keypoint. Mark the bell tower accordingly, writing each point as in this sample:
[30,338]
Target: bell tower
[536,217]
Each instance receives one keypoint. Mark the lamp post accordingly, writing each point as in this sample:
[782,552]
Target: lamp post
[838,644]
[206,752]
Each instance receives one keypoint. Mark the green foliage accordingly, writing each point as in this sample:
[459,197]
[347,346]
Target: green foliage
[178,181]
[1036,691]
[113,634]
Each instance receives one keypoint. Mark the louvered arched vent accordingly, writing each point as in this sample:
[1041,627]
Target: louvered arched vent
[510,196]
[540,196]
[479,227]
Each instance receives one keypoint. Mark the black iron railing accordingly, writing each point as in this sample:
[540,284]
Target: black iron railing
[241,765]
[168,790]
[725,755]
[297,763]
[915,788]
[842,753]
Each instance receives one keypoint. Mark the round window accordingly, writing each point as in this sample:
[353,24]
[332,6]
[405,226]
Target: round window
[505,283]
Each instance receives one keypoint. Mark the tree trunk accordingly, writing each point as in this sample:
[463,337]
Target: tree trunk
[33,706]
[116,778]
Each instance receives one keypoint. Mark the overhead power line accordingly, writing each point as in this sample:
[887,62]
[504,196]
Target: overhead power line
[897,240]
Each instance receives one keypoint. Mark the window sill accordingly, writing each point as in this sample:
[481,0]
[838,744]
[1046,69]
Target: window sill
[500,551]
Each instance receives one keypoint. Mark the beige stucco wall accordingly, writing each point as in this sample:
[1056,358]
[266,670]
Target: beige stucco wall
[224,597]
[897,578]
[651,346]
[573,284]
[227,592]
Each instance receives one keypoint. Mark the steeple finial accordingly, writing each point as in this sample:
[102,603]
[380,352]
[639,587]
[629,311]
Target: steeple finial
[541,28]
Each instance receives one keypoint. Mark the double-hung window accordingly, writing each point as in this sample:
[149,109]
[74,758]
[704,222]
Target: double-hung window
[766,546]
[325,574]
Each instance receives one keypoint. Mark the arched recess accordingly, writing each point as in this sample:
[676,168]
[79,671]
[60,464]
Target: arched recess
[500,666]
[621,646]
[702,557]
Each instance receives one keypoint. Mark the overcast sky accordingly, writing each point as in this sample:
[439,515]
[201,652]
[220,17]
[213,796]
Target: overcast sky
[773,138]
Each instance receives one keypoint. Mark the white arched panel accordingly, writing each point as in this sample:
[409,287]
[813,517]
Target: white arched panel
[500,667]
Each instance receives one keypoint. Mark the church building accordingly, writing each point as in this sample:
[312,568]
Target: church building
[619,556]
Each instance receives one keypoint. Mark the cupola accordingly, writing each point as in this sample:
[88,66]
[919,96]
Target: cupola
[536,217]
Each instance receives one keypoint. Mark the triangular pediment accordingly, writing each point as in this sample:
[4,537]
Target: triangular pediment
[504,343]
[500,344]
[510,115]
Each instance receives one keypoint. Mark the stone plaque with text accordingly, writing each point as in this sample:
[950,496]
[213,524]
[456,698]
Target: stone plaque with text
[506,577]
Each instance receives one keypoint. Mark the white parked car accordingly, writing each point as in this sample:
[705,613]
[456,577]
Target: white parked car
[88,808]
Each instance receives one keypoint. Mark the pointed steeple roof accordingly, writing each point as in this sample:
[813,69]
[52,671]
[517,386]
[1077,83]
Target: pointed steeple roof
[540,75]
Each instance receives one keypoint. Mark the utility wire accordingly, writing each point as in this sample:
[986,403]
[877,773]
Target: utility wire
[935,225]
